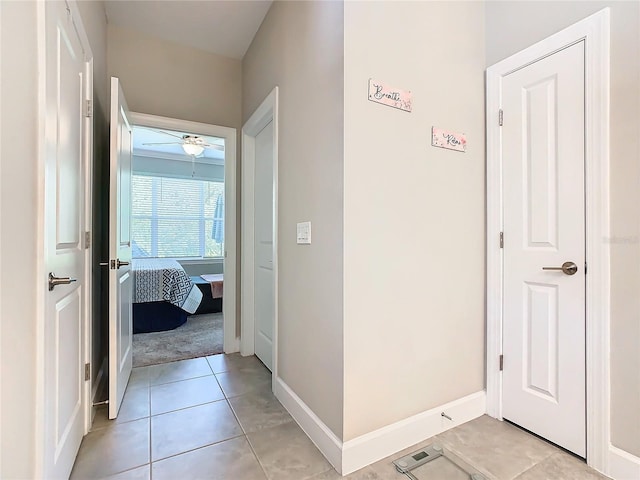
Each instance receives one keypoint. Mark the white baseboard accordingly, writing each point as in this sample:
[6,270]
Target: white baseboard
[623,465]
[381,443]
[369,448]
[328,443]
[233,347]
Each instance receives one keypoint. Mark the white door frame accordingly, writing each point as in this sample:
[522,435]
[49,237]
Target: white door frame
[266,112]
[231,342]
[90,390]
[594,31]
[87,152]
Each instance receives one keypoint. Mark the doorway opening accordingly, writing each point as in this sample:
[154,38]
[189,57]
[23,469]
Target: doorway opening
[175,191]
[260,234]
[183,212]
[178,244]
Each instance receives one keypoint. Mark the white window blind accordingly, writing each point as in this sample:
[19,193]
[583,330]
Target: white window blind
[177,218]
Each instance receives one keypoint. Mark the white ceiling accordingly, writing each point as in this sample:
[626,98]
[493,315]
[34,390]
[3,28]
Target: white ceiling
[225,27]
[171,148]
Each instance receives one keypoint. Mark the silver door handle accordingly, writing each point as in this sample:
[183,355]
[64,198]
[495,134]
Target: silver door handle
[55,281]
[568,268]
[113,263]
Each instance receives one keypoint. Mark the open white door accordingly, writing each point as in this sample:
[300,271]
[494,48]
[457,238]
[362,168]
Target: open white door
[120,277]
[263,274]
[67,142]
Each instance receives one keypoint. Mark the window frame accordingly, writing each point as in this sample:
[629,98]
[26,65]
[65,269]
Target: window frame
[154,218]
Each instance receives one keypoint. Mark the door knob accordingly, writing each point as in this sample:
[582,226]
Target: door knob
[54,281]
[113,264]
[568,268]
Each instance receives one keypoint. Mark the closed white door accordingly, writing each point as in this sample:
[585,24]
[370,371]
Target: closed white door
[66,144]
[544,229]
[120,277]
[263,274]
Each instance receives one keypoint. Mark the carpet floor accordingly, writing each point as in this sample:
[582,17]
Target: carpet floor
[202,335]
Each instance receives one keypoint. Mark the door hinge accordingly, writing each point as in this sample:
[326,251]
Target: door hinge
[500,117]
[87,372]
[585,268]
[88,112]
[501,239]
[501,362]
[87,239]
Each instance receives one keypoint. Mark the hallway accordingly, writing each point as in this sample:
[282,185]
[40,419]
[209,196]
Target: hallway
[216,418]
[212,417]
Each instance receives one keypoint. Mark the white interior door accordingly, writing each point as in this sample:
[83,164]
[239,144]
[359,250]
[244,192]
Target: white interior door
[66,143]
[263,248]
[544,226]
[120,277]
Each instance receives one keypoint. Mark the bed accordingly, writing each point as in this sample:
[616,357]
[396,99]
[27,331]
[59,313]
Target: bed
[163,295]
[211,296]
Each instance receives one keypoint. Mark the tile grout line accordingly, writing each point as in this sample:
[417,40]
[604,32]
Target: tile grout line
[534,465]
[185,408]
[179,380]
[197,448]
[246,436]
[215,401]
[150,438]
[149,417]
[262,467]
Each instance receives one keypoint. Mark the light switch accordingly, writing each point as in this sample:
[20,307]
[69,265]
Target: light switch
[304,233]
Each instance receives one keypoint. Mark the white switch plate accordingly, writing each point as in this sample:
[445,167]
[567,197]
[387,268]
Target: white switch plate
[304,233]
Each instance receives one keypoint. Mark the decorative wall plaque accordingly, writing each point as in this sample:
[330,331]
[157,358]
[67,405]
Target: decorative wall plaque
[381,92]
[448,139]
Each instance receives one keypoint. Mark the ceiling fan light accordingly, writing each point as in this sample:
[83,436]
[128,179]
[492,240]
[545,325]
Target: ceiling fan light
[192,149]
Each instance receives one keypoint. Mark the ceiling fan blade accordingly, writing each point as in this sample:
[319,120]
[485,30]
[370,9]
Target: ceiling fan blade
[213,146]
[164,143]
[181,137]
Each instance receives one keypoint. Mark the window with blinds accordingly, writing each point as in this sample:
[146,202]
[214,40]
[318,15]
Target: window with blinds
[177,218]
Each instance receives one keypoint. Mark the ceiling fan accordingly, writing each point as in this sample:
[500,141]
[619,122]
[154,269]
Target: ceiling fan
[191,144]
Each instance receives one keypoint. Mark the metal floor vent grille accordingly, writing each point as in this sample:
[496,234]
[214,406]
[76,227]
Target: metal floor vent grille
[435,462]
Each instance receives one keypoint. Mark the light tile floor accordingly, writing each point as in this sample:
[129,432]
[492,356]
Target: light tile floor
[216,418]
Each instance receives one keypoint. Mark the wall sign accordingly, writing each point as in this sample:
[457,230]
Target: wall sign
[448,139]
[380,92]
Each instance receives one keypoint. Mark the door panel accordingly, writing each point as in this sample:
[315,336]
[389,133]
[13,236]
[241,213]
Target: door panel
[541,340]
[544,226]
[263,274]
[68,390]
[120,279]
[66,131]
[125,325]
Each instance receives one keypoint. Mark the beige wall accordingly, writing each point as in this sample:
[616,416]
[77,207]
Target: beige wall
[299,48]
[513,26]
[414,323]
[163,78]
[18,237]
